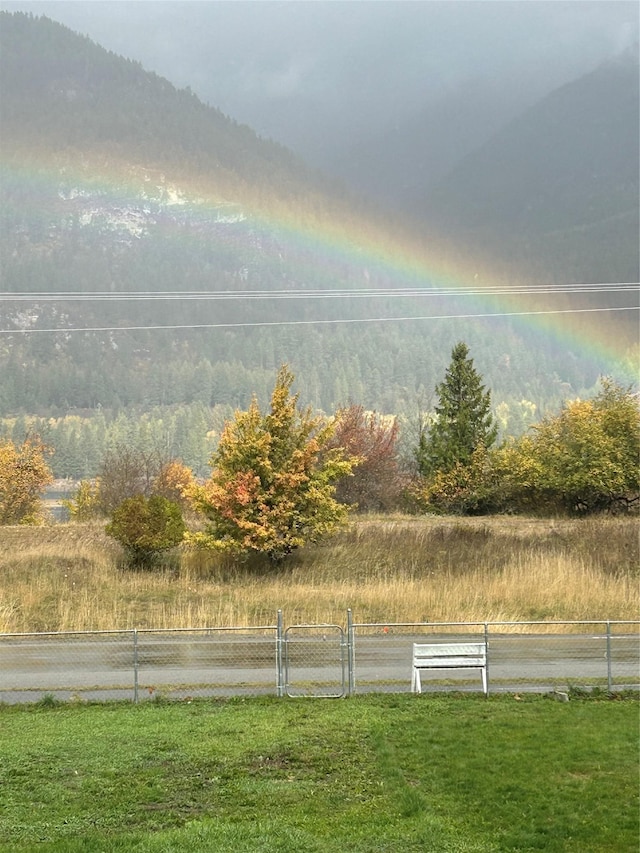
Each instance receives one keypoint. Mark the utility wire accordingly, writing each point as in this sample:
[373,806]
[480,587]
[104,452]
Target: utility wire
[327,293]
[341,321]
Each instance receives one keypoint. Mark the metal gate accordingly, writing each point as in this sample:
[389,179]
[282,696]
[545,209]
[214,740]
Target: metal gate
[315,661]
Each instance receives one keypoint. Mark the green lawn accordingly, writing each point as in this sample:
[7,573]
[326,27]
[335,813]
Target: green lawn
[373,773]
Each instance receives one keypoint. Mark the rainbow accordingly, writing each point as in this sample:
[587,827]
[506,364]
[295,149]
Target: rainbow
[415,269]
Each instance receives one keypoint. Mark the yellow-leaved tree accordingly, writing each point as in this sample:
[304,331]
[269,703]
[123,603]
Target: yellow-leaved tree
[23,475]
[583,460]
[272,485]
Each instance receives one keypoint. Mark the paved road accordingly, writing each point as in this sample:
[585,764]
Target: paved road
[516,661]
[117,665]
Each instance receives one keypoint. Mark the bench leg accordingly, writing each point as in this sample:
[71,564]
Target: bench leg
[416,684]
[483,673]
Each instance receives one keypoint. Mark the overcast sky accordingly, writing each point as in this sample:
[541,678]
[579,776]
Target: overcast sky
[298,70]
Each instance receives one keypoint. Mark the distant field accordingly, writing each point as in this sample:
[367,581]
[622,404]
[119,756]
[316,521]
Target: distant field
[402,774]
[386,568]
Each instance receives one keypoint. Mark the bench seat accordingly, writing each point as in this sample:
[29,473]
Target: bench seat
[448,656]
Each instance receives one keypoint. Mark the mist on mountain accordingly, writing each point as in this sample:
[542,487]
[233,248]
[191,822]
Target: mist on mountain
[118,183]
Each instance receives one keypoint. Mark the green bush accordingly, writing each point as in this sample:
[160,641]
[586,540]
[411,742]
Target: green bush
[146,527]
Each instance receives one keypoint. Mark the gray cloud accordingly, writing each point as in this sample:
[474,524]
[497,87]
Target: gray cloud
[316,75]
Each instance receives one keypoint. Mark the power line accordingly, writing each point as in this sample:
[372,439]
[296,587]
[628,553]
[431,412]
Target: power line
[341,321]
[320,293]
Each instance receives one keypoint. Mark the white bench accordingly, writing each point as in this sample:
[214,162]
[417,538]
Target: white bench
[448,656]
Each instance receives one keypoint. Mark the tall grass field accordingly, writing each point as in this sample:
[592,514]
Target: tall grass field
[374,774]
[387,569]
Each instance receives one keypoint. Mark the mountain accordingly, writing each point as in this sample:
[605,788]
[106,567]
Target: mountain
[557,190]
[401,162]
[63,92]
[160,261]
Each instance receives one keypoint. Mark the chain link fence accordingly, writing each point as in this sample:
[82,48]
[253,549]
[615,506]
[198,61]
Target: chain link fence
[521,656]
[139,664]
[313,660]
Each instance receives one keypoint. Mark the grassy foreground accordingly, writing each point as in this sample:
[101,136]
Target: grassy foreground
[376,773]
[387,569]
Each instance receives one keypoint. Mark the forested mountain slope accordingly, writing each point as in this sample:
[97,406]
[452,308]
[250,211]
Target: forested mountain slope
[556,191]
[63,96]
[151,250]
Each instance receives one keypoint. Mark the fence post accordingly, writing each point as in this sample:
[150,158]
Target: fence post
[486,646]
[135,666]
[279,656]
[351,676]
[609,673]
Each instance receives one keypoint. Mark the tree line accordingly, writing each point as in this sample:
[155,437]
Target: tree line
[282,477]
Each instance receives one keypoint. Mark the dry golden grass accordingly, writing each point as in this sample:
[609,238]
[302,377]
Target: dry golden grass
[387,569]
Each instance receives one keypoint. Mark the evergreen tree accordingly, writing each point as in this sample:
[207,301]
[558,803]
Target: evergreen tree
[463,420]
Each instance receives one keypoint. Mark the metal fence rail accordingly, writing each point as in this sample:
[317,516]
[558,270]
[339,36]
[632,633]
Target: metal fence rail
[313,660]
[521,656]
[139,664]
